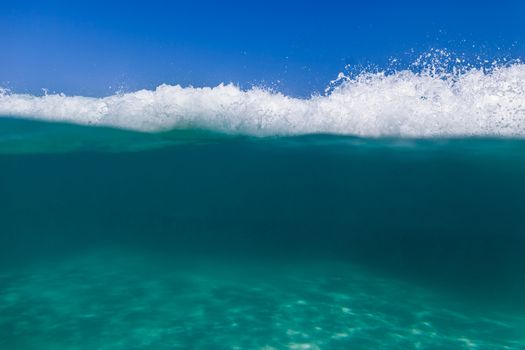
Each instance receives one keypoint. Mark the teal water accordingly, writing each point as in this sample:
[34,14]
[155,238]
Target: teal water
[111,239]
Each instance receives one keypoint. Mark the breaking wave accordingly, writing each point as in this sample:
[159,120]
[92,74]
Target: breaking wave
[474,101]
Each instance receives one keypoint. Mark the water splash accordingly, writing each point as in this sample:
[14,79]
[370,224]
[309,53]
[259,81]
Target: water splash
[440,94]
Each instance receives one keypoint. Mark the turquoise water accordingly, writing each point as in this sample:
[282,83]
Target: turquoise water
[113,239]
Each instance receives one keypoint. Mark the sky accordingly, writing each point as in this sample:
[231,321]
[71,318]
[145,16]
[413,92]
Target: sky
[98,48]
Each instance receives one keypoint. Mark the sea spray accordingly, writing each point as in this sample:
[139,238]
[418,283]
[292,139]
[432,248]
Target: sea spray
[434,97]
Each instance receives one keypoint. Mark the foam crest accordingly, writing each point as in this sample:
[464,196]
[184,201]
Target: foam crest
[467,102]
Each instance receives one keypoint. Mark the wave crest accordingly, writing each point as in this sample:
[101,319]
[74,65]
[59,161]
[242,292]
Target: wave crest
[471,102]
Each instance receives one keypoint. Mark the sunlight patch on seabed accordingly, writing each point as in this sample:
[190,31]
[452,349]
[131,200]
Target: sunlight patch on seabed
[122,301]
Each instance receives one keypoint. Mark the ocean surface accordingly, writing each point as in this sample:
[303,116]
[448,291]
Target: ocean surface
[388,214]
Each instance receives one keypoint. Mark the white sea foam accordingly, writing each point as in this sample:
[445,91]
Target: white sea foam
[468,102]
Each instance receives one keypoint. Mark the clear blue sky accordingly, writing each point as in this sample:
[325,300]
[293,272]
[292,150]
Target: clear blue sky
[96,47]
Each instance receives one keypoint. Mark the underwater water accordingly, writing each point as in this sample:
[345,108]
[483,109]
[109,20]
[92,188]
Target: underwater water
[113,239]
[388,213]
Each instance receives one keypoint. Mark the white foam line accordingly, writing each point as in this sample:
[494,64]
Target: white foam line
[471,103]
